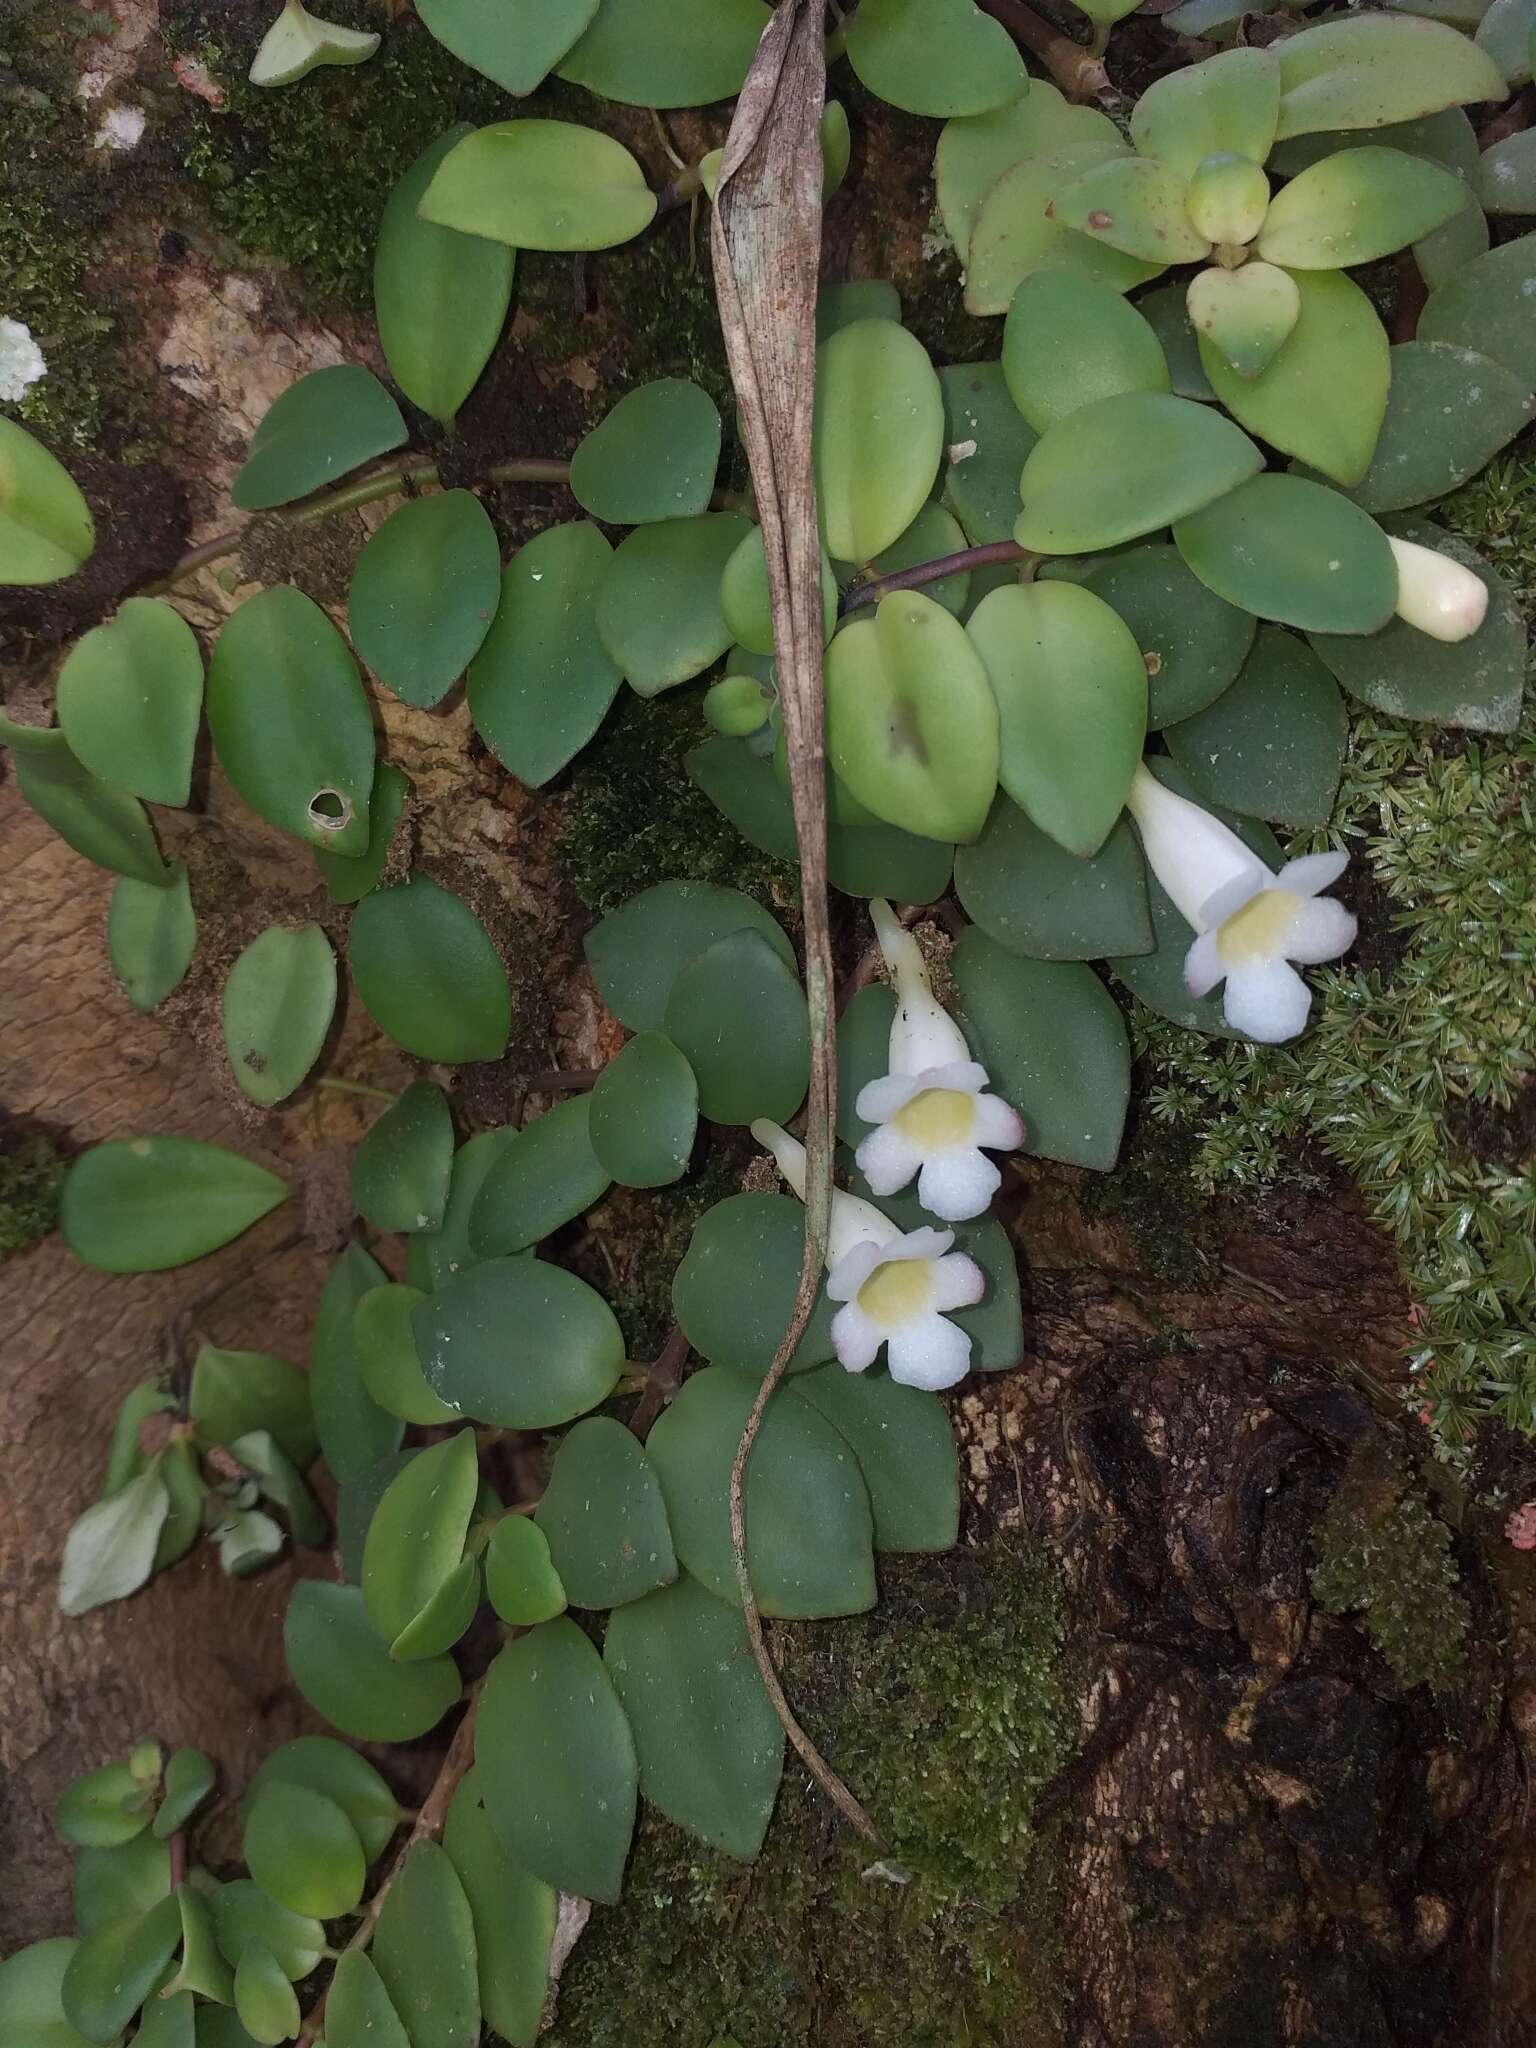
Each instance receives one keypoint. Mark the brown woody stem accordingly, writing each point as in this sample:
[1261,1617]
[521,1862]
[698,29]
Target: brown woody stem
[985,557]
[1076,70]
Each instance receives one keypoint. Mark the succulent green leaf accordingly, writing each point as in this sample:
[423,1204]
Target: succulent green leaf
[416,1538]
[31,1996]
[445,1617]
[545,1177]
[1228,199]
[355,1432]
[540,185]
[1017,230]
[637,951]
[912,726]
[1368,70]
[168,2022]
[745,600]
[434,1256]
[278,1003]
[514,1916]
[645,1113]
[188,1780]
[809,1526]
[129,700]
[242,1913]
[987,440]
[517,44]
[265,2001]
[302,1850]
[697,51]
[1037,899]
[343,1668]
[428,974]
[1490,305]
[1071,690]
[1069,340]
[1125,466]
[385,1346]
[202,1968]
[976,149]
[603,1517]
[102,1809]
[653,457]
[46,529]
[867,298]
[1228,104]
[933,534]
[519,1344]
[247,1539]
[937,57]
[1273,745]
[114,1970]
[348,878]
[1506,34]
[878,437]
[424,593]
[1475,683]
[520,1577]
[1355,206]
[905,1446]
[328,423]
[1135,205]
[734,1290]
[234,1392]
[1054,1045]
[100,821]
[139,1205]
[1506,177]
[298,42]
[1449,411]
[1296,552]
[151,936]
[119,1883]
[737,1015]
[357,1501]
[359,2012]
[863,1053]
[318,1763]
[658,605]
[400,1171]
[556,1761]
[1245,315]
[424,1951]
[737,706]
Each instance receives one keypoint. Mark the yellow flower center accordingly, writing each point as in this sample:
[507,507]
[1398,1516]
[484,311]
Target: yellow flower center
[936,1118]
[893,1294]
[1259,928]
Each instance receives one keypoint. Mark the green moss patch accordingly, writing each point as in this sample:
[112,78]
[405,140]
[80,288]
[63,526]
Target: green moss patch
[31,1173]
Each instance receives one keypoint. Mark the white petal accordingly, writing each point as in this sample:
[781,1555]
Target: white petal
[852,1270]
[887,1158]
[1191,853]
[1203,965]
[961,1077]
[1320,930]
[879,1100]
[923,1243]
[958,1183]
[958,1282]
[923,1034]
[1267,1001]
[1312,873]
[999,1127]
[788,1152]
[856,1338]
[855,1222]
[929,1352]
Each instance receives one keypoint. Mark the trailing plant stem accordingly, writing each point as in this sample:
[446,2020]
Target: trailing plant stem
[987,556]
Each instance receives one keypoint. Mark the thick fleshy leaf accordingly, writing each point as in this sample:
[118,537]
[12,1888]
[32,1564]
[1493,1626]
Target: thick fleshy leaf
[358,2010]
[745,600]
[349,878]
[519,1344]
[694,52]
[427,973]
[290,721]
[1490,305]
[653,457]
[242,1913]
[265,2002]
[299,41]
[235,1392]
[202,1968]
[1474,683]
[636,952]
[1136,205]
[113,1971]
[986,440]
[545,1177]
[139,1205]
[514,1916]
[809,1527]
[1017,232]
[905,1446]
[1367,70]
[424,1951]
[1228,199]
[318,1763]
[938,57]
[734,1290]
[278,1004]
[31,1996]
[1450,409]
[1039,900]
[556,1761]
[115,1884]
[357,1499]
[1272,745]
[416,1538]
[129,700]
[424,593]
[711,1748]
[1245,315]
[46,529]
[329,422]
[1355,206]
[1506,177]
[517,43]
[1505,34]
[303,1850]
[1068,340]
[1054,1045]
[911,722]
[737,1015]
[355,1432]
[975,150]
[1125,466]
[151,936]
[866,298]
[433,1256]
[1071,690]
[100,821]
[1295,552]
[879,436]
[658,605]
[520,1578]
[385,1347]
[279,1481]
[863,1053]
[103,1809]
[645,1113]
[603,1517]
[343,1668]
[1166,312]
[540,185]
[1192,642]
[542,682]
[400,1171]
[1228,104]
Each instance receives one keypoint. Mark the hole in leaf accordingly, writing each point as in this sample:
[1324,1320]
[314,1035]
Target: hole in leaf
[330,810]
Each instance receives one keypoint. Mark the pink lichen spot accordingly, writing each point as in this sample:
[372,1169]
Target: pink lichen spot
[1521,1527]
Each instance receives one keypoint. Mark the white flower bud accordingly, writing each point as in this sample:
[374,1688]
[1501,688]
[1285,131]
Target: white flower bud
[1438,595]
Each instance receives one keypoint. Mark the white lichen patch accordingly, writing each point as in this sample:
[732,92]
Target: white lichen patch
[21,361]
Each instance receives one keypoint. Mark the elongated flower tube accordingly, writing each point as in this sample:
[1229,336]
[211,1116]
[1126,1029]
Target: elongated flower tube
[896,1289]
[931,1111]
[298,40]
[1440,596]
[1250,923]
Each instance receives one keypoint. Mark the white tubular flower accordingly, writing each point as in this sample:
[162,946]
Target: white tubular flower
[298,40]
[1250,923]
[21,361]
[896,1290]
[932,1114]
[1439,596]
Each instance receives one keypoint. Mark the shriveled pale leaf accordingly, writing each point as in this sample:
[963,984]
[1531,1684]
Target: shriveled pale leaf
[1136,205]
[1355,206]
[278,1003]
[1449,411]
[879,436]
[975,150]
[1368,70]
[139,1205]
[986,441]
[1490,305]
[519,1344]
[547,1176]
[540,185]
[1295,552]
[733,1292]
[424,593]
[46,529]
[327,424]
[658,604]
[1245,315]
[1231,102]
[691,53]
[427,972]
[1016,230]
[1273,745]
[1037,899]
[129,699]
[343,1668]
[1068,341]
[938,57]
[517,43]
[653,457]
[151,936]
[645,1113]
[637,951]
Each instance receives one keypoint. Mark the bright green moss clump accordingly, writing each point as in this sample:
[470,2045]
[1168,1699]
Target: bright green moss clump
[946,1711]
[31,1173]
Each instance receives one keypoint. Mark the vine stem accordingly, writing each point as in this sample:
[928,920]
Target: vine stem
[766,238]
[986,556]
[344,1087]
[428,1826]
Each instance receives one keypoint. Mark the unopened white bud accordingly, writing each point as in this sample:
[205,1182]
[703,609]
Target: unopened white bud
[1438,595]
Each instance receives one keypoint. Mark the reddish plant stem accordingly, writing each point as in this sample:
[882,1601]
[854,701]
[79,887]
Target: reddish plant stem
[563,1081]
[661,1383]
[1411,295]
[1510,119]
[1076,70]
[984,557]
[177,1846]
